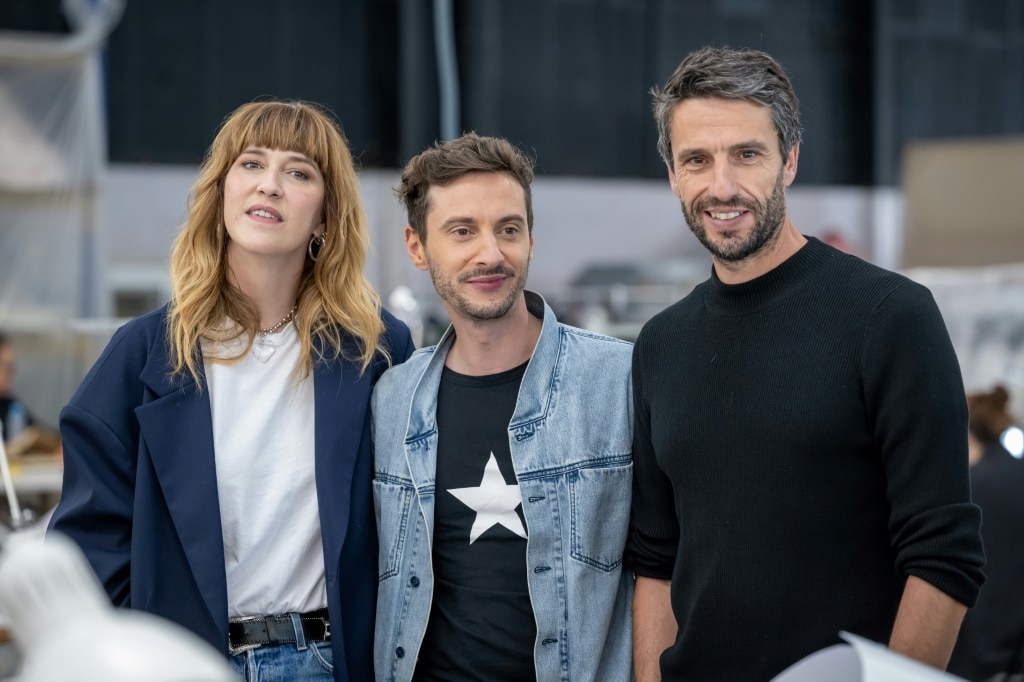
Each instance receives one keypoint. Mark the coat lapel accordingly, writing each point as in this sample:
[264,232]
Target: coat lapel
[342,396]
[177,431]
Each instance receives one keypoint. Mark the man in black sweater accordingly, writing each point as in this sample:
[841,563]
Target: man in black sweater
[800,438]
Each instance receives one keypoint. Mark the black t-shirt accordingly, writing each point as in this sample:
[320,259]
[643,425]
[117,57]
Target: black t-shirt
[481,623]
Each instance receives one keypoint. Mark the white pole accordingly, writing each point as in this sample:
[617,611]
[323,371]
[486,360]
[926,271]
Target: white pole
[12,496]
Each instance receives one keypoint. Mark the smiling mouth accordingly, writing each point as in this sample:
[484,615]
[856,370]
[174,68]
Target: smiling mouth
[260,213]
[725,216]
[487,283]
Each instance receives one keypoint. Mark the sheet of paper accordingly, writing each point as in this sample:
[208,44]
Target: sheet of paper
[860,661]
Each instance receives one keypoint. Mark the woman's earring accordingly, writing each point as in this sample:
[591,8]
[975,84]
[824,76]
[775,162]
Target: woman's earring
[316,243]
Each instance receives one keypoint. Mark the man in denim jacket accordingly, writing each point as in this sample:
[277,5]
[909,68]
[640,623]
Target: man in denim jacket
[503,462]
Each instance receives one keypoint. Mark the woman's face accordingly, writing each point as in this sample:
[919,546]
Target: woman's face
[273,204]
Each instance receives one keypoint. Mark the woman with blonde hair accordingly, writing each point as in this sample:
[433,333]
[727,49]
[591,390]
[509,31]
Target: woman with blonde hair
[217,462]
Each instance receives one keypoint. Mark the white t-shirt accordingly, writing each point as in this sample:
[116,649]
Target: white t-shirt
[263,436]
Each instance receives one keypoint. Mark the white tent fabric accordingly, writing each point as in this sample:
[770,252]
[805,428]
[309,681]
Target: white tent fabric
[983,308]
[52,152]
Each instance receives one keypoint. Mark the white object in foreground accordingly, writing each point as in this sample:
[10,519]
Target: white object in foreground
[860,661]
[67,629]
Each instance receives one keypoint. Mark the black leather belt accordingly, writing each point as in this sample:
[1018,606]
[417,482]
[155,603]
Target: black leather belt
[246,632]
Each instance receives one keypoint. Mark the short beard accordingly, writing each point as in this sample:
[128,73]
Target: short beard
[768,217]
[448,292]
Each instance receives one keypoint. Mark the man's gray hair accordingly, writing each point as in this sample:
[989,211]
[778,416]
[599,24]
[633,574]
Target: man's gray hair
[725,73]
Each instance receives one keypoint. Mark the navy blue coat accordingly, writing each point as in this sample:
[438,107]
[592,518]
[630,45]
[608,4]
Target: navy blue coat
[140,488]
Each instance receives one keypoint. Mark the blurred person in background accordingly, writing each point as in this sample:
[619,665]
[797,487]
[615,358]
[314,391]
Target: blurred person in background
[502,454]
[991,642]
[217,455]
[14,416]
[22,432]
[790,481]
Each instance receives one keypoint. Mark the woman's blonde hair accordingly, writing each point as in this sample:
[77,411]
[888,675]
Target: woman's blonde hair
[334,297]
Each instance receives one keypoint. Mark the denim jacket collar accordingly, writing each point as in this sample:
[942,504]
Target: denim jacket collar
[531,404]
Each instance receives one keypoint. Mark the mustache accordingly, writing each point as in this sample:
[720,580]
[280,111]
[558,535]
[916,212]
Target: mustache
[501,270]
[732,202]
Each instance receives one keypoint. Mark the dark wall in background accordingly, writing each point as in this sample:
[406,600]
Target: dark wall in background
[176,69]
[565,79]
[32,15]
[947,68]
[571,78]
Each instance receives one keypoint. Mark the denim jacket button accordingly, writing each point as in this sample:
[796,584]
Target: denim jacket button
[400,652]
[414,581]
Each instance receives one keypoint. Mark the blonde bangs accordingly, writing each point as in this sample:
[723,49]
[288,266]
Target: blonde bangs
[286,126]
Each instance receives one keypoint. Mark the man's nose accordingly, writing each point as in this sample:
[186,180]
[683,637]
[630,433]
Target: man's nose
[723,181]
[489,251]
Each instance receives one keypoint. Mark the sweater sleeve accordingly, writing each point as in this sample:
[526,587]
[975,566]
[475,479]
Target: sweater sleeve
[916,401]
[100,441]
[654,528]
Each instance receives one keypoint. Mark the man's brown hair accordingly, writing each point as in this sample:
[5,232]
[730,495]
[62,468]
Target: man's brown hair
[444,163]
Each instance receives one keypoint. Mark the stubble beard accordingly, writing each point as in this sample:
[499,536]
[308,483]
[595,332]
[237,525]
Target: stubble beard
[447,288]
[768,218]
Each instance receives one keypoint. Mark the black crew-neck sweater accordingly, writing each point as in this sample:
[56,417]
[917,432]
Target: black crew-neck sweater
[800,448]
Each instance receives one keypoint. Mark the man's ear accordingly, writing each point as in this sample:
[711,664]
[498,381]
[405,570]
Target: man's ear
[415,248]
[789,170]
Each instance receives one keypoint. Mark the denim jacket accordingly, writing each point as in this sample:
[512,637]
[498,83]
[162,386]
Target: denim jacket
[570,438]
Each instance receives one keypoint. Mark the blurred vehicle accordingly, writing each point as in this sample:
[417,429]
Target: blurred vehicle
[618,298]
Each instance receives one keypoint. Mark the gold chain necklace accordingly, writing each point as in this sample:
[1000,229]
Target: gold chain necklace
[270,330]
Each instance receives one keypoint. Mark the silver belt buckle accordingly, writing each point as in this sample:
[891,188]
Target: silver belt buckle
[245,647]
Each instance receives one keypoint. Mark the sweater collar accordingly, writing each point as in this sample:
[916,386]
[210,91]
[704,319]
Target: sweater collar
[771,287]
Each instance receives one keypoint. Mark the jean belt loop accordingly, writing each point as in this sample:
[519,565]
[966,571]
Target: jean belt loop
[300,635]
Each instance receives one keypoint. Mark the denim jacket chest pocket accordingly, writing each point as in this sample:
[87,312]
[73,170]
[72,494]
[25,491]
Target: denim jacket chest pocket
[599,499]
[403,494]
[394,505]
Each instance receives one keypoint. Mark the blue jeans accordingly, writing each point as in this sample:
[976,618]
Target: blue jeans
[294,662]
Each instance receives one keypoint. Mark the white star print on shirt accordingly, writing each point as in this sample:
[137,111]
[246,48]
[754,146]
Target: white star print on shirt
[494,502]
